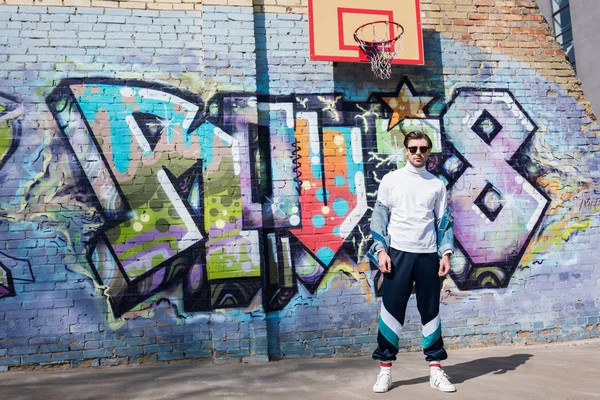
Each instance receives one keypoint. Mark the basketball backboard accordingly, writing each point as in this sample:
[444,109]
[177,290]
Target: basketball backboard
[332,24]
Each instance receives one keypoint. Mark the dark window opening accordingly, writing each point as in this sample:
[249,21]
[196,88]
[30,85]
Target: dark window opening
[561,18]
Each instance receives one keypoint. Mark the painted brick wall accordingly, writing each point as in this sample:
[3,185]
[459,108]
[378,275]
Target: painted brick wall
[163,197]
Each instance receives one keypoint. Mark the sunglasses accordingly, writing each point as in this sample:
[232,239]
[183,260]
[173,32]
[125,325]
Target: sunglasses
[422,149]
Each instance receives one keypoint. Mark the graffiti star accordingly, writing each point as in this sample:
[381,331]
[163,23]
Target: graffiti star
[404,103]
[276,204]
[511,200]
[166,123]
[395,152]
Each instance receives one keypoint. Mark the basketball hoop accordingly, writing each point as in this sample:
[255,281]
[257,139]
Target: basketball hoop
[379,42]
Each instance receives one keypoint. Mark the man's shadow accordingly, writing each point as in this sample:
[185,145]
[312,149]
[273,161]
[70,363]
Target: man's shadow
[476,368]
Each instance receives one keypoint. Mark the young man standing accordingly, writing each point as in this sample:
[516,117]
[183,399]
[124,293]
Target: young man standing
[412,229]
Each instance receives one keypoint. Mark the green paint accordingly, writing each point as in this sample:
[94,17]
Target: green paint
[145,221]
[572,228]
[5,140]
[223,221]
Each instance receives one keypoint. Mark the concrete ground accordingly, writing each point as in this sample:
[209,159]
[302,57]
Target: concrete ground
[554,371]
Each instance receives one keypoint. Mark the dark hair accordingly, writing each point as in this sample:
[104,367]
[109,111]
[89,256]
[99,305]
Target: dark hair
[417,135]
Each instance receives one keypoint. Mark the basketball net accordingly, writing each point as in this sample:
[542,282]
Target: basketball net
[380,41]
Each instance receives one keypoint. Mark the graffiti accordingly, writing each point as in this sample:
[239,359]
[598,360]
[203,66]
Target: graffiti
[404,103]
[10,127]
[227,197]
[492,200]
[13,270]
[7,287]
[318,194]
[10,132]
[167,182]
[589,204]
[408,111]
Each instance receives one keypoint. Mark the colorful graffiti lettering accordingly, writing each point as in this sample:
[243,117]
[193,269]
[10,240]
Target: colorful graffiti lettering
[492,199]
[317,197]
[238,194]
[167,181]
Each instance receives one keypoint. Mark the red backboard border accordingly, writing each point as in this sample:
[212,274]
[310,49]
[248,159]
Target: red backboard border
[341,11]
[317,57]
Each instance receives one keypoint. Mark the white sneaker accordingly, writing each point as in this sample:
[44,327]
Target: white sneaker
[439,380]
[384,382]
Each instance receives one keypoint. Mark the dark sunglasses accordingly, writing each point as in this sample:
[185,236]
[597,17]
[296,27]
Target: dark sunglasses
[422,149]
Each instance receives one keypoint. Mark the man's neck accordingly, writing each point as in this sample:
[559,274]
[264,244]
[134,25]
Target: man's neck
[415,170]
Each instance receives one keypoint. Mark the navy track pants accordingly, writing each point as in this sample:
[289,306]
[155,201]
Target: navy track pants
[422,269]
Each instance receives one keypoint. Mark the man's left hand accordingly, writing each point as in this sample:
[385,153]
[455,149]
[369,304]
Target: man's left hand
[444,265]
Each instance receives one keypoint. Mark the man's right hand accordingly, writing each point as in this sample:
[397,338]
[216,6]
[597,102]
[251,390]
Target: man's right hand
[385,262]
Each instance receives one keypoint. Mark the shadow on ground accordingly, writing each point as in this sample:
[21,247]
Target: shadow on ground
[473,369]
[298,378]
[183,381]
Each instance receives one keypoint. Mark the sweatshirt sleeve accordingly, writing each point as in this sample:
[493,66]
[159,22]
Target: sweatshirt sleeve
[440,209]
[441,203]
[380,217]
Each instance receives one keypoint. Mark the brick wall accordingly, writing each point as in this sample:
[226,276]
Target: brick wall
[187,5]
[159,200]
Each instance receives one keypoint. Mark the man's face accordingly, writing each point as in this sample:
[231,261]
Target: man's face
[418,158]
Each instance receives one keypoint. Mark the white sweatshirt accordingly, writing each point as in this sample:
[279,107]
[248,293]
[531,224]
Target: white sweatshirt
[415,198]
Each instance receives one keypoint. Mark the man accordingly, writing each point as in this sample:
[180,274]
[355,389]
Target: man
[412,228]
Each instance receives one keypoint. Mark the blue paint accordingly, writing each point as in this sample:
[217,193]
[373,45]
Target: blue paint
[340,206]
[206,132]
[317,169]
[120,134]
[339,180]
[325,254]
[110,100]
[318,221]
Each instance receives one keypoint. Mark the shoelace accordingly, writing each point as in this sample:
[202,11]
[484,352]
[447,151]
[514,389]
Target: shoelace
[382,378]
[441,377]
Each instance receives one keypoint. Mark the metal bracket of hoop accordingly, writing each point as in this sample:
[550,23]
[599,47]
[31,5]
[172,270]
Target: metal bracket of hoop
[381,49]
